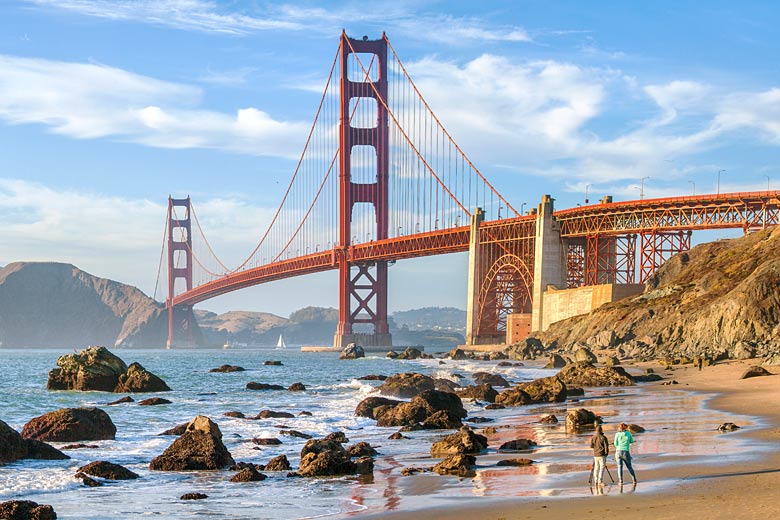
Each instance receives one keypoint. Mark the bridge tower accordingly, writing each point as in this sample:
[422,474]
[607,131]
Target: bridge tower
[180,317]
[363,284]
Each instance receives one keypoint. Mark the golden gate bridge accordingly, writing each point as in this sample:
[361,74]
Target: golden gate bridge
[380,179]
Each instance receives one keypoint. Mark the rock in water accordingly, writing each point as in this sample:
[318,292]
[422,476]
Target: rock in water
[227,369]
[26,510]
[370,406]
[193,496]
[483,392]
[200,447]
[248,474]
[410,353]
[71,425]
[279,463]
[325,458]
[545,390]
[137,379]
[108,470]
[482,378]
[518,445]
[581,418]
[13,447]
[95,368]
[459,464]
[352,351]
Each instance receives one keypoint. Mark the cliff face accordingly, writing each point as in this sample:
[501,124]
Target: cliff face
[721,299]
[50,304]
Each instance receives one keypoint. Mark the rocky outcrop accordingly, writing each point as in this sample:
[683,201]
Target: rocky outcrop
[352,351]
[585,374]
[200,447]
[719,300]
[481,378]
[460,465]
[248,474]
[71,425]
[371,406]
[96,368]
[556,361]
[528,348]
[26,510]
[465,442]
[483,392]
[406,385]
[545,390]
[433,408]
[361,449]
[580,419]
[584,355]
[107,470]
[14,447]
[513,397]
[279,463]
[59,305]
[410,353]
[321,458]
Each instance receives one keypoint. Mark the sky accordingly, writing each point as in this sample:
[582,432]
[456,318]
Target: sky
[109,106]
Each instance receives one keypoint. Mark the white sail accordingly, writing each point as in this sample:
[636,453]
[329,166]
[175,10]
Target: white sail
[281,343]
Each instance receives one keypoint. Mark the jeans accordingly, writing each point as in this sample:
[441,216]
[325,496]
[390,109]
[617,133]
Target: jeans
[624,457]
[599,463]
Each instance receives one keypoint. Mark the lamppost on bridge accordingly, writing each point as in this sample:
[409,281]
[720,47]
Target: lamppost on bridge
[587,186]
[694,187]
[719,172]
[642,188]
[499,211]
[522,205]
[767,182]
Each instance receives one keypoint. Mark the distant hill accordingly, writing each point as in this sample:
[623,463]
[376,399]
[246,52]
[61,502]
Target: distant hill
[48,304]
[432,318]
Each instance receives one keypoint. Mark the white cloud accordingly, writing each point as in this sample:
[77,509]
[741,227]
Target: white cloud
[86,101]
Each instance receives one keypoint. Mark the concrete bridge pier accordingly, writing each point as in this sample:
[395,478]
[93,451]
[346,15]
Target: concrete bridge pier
[549,259]
[474,280]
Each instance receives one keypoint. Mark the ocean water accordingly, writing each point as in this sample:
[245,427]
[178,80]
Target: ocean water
[680,430]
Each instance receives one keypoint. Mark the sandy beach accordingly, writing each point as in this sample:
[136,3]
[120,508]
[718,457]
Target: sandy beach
[746,489]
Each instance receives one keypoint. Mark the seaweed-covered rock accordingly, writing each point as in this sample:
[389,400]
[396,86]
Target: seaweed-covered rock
[585,374]
[71,425]
[406,385]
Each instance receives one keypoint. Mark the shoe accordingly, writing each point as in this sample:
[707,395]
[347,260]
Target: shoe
[633,481]
[620,482]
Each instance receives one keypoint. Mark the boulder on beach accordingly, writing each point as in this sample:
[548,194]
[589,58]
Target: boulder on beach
[445,385]
[200,447]
[728,427]
[406,385]
[352,351]
[545,390]
[71,425]
[513,397]
[361,449]
[580,419]
[481,378]
[528,348]
[464,441]
[556,361]
[14,447]
[585,374]
[518,445]
[370,406]
[548,419]
[755,371]
[434,408]
[107,470]
[96,368]
[459,464]
[26,510]
[123,400]
[635,428]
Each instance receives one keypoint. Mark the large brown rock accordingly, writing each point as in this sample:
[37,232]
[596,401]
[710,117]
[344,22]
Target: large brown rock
[580,419]
[137,379]
[545,390]
[321,457]
[352,351]
[71,425]
[755,371]
[460,465]
[518,445]
[200,447]
[406,385]
[556,361]
[369,406]
[464,441]
[97,369]
[483,392]
[279,463]
[26,510]
[584,355]
[585,374]
[481,378]
[14,447]
[513,397]
[410,353]
[525,349]
[447,407]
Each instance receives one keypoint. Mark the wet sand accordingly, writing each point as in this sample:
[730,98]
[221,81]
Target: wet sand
[744,489]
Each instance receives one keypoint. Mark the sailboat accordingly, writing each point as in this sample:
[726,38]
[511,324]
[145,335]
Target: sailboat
[281,344]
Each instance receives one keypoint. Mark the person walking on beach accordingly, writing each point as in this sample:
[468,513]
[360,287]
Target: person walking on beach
[623,441]
[600,446]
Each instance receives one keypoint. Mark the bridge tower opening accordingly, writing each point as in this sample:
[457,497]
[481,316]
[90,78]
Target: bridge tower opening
[363,285]
[180,317]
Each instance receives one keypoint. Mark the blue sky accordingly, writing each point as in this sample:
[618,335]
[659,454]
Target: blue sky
[106,107]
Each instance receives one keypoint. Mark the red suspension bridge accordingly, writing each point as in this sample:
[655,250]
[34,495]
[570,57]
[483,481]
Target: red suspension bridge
[380,179]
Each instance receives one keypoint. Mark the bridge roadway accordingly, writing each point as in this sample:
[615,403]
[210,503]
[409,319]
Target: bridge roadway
[746,211]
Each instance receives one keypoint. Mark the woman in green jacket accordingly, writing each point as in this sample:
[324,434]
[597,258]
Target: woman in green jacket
[623,441]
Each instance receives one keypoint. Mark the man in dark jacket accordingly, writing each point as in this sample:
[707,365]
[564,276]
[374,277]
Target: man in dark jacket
[600,446]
